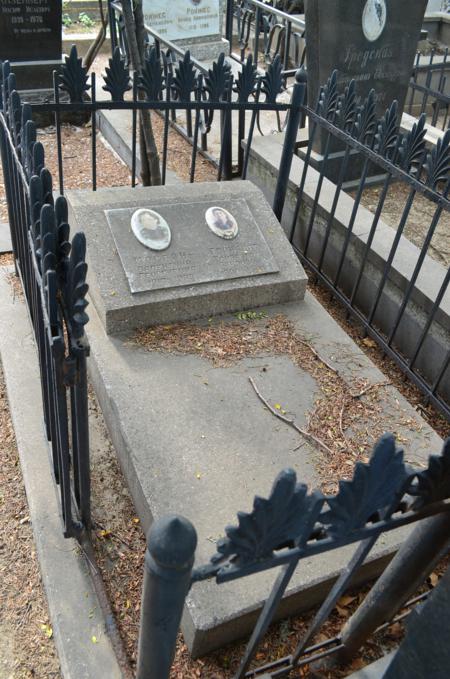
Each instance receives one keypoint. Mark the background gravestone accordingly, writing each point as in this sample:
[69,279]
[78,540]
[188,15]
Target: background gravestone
[191,24]
[373,42]
[31,38]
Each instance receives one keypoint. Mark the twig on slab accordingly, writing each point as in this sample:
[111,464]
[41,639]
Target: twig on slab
[370,387]
[319,357]
[306,434]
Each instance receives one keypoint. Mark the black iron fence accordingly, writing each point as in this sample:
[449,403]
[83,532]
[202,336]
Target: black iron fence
[53,272]
[429,89]
[349,144]
[266,32]
[287,528]
[52,267]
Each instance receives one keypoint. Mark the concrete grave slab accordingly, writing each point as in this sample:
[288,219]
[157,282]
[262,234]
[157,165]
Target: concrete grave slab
[200,276]
[5,239]
[194,439]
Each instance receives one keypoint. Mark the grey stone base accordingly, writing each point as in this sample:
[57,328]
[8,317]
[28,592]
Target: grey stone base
[34,75]
[5,239]
[193,439]
[123,311]
[206,51]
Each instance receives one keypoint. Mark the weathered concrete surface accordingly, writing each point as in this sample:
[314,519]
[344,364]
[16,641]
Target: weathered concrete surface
[194,439]
[121,310]
[75,612]
[5,239]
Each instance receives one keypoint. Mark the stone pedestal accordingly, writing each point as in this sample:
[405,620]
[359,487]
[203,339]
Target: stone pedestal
[200,274]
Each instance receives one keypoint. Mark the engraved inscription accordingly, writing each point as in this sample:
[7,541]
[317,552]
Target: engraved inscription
[196,255]
[30,29]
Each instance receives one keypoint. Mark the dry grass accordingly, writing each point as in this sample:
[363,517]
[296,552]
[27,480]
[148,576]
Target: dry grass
[26,647]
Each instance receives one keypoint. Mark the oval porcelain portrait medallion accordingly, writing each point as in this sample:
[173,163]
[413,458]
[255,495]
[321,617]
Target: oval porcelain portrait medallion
[151,229]
[221,222]
[374,19]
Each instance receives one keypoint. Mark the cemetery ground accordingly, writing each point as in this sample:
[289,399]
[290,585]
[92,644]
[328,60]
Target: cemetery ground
[119,541]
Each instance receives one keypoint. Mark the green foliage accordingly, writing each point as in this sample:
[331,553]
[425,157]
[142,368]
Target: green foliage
[67,21]
[251,315]
[86,20]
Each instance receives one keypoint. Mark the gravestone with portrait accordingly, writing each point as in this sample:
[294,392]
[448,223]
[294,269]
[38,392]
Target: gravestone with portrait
[175,253]
[373,42]
[31,39]
[193,25]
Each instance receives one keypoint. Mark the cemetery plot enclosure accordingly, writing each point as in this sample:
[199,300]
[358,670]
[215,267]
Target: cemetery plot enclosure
[351,135]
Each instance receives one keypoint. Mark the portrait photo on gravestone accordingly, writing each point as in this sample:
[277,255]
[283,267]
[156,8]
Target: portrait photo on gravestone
[151,229]
[221,222]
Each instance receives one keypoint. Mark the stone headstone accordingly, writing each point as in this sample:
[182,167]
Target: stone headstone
[373,42]
[201,271]
[31,38]
[191,24]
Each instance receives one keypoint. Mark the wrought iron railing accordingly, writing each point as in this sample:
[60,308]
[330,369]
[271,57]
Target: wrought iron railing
[429,89]
[53,272]
[356,145]
[266,32]
[290,526]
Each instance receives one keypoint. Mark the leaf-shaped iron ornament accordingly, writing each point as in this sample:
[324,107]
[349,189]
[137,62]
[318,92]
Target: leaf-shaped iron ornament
[36,202]
[373,488]
[366,121]
[328,98]
[218,79]
[62,234]
[38,159]
[272,82]
[48,239]
[151,79]
[412,147]
[287,516]
[117,78]
[387,134]
[437,166]
[185,78]
[15,117]
[76,287]
[246,80]
[28,141]
[347,108]
[74,77]
[433,484]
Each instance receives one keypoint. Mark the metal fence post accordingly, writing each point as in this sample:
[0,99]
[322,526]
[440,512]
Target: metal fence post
[412,564]
[297,99]
[167,579]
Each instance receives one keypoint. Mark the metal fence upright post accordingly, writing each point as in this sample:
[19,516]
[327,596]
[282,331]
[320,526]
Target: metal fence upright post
[167,579]
[295,112]
[410,567]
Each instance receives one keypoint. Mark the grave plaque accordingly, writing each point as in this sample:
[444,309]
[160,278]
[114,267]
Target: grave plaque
[196,255]
[182,19]
[30,30]
[371,41]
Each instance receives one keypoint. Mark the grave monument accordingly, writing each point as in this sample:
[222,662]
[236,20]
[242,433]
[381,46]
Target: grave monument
[31,38]
[191,434]
[191,24]
[373,42]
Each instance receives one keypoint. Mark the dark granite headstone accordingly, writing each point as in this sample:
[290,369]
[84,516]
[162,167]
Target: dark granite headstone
[371,41]
[30,30]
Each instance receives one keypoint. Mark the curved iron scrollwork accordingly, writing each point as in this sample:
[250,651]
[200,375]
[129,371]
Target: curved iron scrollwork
[290,517]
